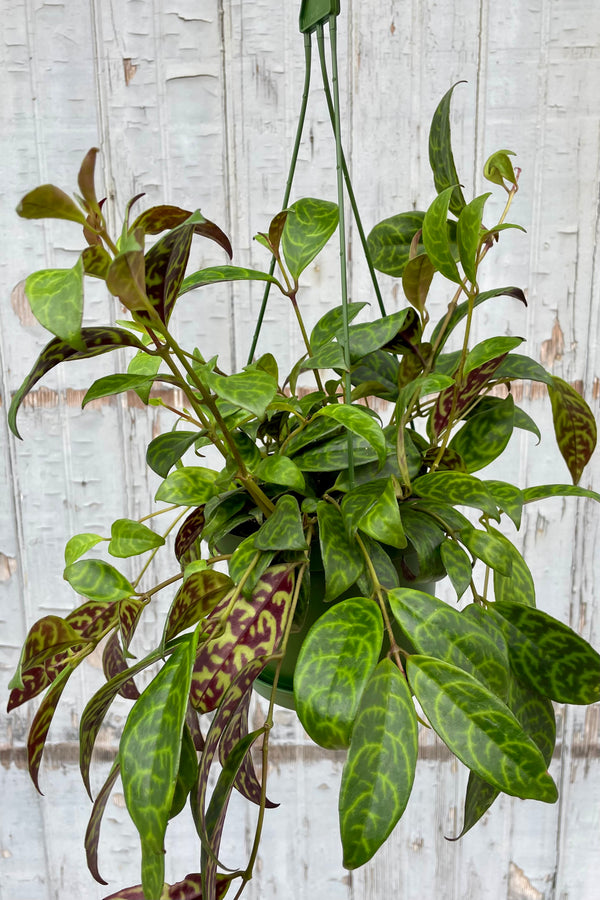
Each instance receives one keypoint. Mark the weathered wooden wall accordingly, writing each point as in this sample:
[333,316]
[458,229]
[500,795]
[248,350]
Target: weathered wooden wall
[194,102]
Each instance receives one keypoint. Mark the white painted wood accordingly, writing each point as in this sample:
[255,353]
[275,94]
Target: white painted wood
[195,103]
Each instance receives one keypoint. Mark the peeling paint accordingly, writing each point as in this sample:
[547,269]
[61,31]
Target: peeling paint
[21,306]
[8,567]
[129,70]
[554,347]
[520,887]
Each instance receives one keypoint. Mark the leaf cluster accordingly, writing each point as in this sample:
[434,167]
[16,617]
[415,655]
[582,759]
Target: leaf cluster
[336,509]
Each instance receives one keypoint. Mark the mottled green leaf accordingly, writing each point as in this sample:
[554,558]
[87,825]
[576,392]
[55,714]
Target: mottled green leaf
[489,548]
[342,562]
[361,423]
[390,241]
[518,587]
[436,236]
[335,662]
[548,656]
[187,773]
[49,202]
[379,772]
[96,261]
[574,425]
[332,323]
[456,488]
[149,753]
[308,227]
[462,310]
[252,389]
[188,486]
[97,580]
[221,274]
[484,436]
[489,350]
[167,449]
[440,153]
[165,265]
[480,729]
[498,167]
[109,385]
[243,559]
[367,337]
[281,470]
[543,491]
[518,367]
[129,538]
[508,498]
[468,235]
[56,300]
[283,529]
[458,566]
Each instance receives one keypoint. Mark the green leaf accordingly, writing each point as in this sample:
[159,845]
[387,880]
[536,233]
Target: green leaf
[484,436]
[283,529]
[463,309]
[488,350]
[342,562]
[331,324]
[244,558]
[186,774]
[188,486]
[440,153]
[308,227]
[548,656]
[149,754]
[379,771]
[167,449]
[508,498]
[518,367]
[489,548]
[367,337]
[97,580]
[80,544]
[499,167]
[480,729]
[335,662]
[252,389]
[543,491]
[221,274]
[96,261]
[360,422]
[109,385]
[96,341]
[439,630]
[49,202]
[518,587]
[436,236]
[129,538]
[457,489]
[468,235]
[457,565]
[382,521]
[390,241]
[281,470]
[416,280]
[574,425]
[56,300]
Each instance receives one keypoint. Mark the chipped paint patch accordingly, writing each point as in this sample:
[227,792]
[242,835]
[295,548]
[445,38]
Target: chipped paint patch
[520,887]
[8,567]
[553,348]
[20,305]
[129,70]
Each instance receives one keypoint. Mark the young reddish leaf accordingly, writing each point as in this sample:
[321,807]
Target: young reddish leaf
[466,393]
[47,637]
[165,263]
[196,598]
[125,276]
[85,179]
[92,834]
[574,425]
[114,663]
[96,342]
[253,629]
[189,532]
[92,619]
[37,679]
[96,709]
[246,780]
[49,202]
[130,611]
[41,723]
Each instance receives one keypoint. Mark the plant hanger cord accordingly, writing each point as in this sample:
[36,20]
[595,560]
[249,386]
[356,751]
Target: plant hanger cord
[288,185]
[349,188]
